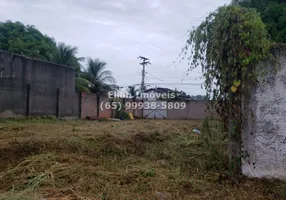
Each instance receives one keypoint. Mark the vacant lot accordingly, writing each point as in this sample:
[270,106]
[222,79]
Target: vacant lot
[119,160]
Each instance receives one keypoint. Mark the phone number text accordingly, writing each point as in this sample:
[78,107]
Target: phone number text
[142,105]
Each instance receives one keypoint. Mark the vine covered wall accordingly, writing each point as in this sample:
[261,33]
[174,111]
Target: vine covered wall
[229,45]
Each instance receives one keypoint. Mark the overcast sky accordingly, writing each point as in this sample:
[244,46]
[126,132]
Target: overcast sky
[118,31]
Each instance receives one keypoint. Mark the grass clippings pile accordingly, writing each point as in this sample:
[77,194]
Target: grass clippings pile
[148,159]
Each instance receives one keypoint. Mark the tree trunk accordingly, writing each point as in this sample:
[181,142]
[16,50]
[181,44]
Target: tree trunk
[234,139]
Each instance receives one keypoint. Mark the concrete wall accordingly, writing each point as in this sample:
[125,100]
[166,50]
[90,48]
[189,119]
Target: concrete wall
[70,105]
[14,100]
[264,132]
[43,75]
[89,106]
[30,87]
[193,110]
[35,88]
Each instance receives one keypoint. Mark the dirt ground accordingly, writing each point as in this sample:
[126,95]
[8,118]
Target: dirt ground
[141,159]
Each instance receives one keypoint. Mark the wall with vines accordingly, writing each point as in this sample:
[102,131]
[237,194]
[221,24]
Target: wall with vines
[230,45]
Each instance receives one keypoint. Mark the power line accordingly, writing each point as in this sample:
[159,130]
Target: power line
[184,48]
[155,77]
[193,84]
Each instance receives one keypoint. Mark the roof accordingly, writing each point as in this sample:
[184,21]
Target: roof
[160,90]
[180,95]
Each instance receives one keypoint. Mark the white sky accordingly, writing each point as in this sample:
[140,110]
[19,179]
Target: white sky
[118,31]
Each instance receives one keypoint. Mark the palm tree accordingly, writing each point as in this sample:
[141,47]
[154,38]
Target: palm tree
[66,55]
[101,80]
[133,91]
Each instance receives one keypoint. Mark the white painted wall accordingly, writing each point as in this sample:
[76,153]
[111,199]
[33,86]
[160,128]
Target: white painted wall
[264,136]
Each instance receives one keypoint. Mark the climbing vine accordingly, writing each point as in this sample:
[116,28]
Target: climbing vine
[229,45]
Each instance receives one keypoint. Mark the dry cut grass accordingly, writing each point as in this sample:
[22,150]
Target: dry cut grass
[88,160]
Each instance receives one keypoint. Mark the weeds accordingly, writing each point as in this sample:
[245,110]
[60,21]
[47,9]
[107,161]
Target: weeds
[120,160]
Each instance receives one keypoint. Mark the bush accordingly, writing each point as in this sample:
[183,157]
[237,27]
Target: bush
[102,119]
[121,114]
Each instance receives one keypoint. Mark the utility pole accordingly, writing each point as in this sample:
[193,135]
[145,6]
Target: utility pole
[145,61]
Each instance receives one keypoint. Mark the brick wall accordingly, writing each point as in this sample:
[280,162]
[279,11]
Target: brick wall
[103,105]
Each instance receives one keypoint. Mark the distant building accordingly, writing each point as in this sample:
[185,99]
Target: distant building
[172,95]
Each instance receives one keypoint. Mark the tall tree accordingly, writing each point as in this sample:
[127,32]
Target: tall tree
[101,79]
[273,14]
[15,37]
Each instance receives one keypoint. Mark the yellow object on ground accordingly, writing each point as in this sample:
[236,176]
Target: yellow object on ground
[131,116]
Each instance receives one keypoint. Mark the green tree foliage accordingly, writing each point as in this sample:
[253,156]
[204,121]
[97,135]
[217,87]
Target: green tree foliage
[273,14]
[133,91]
[17,38]
[229,45]
[120,113]
[101,79]
[65,55]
